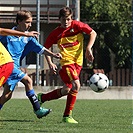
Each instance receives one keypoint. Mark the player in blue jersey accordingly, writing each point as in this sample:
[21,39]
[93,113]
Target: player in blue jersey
[6,62]
[16,45]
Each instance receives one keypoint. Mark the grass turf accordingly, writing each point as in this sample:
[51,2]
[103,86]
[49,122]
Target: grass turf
[94,116]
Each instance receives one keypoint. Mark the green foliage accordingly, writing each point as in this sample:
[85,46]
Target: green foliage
[112,21]
[94,116]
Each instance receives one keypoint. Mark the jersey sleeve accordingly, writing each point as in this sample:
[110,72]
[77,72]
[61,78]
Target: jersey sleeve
[32,46]
[51,39]
[84,27]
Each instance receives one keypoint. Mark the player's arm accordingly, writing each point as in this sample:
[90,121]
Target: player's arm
[4,32]
[88,54]
[51,65]
[51,39]
[50,53]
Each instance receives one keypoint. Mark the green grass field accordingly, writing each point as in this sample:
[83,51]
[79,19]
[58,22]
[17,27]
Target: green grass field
[94,116]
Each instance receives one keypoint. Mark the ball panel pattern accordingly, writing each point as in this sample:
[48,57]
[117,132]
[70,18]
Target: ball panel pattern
[99,82]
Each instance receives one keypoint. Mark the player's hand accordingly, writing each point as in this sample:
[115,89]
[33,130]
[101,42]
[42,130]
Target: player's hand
[33,34]
[89,55]
[58,56]
[53,68]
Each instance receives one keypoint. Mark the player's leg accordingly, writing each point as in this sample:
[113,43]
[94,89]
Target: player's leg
[39,111]
[52,95]
[73,72]
[10,84]
[71,99]
[6,95]
[5,71]
[57,93]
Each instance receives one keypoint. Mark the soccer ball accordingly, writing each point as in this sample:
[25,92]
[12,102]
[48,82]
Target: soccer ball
[99,82]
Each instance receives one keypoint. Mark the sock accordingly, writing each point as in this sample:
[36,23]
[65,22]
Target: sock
[33,99]
[71,99]
[1,106]
[55,94]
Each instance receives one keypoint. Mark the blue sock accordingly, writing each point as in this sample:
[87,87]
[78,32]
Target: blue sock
[1,106]
[30,93]
[33,99]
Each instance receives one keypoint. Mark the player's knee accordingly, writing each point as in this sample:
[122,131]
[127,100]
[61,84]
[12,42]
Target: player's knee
[8,96]
[27,81]
[76,86]
[65,91]
[30,81]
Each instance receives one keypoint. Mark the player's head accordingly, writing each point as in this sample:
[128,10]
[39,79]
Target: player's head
[23,20]
[65,17]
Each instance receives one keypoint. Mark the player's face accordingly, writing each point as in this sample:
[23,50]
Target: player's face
[66,21]
[25,24]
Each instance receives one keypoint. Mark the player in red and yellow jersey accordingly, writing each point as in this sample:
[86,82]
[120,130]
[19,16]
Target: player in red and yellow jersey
[69,37]
[6,62]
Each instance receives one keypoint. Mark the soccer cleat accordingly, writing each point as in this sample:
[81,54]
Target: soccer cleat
[39,95]
[69,119]
[42,112]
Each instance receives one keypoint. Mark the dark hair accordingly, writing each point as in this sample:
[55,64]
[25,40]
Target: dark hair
[23,15]
[65,12]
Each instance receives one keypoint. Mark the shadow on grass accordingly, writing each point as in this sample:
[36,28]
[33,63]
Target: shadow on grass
[16,121]
[14,130]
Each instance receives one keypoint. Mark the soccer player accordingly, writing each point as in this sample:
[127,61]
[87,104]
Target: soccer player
[16,46]
[6,62]
[69,37]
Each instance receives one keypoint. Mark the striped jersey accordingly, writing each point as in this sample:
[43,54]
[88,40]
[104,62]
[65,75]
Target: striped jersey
[4,55]
[69,41]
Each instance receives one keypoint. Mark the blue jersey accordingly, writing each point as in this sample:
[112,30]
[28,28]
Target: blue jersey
[19,47]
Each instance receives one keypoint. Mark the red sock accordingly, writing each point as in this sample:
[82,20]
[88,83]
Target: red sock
[71,99]
[55,94]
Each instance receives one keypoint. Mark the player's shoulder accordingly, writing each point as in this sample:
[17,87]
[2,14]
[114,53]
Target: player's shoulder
[76,22]
[56,31]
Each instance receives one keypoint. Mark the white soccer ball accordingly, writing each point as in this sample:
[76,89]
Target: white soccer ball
[99,82]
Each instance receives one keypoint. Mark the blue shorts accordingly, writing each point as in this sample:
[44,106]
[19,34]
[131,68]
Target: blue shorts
[16,76]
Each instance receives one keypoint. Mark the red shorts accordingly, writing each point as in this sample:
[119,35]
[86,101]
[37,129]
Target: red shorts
[69,73]
[5,71]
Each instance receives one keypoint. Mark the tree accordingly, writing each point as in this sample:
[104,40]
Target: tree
[112,21]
